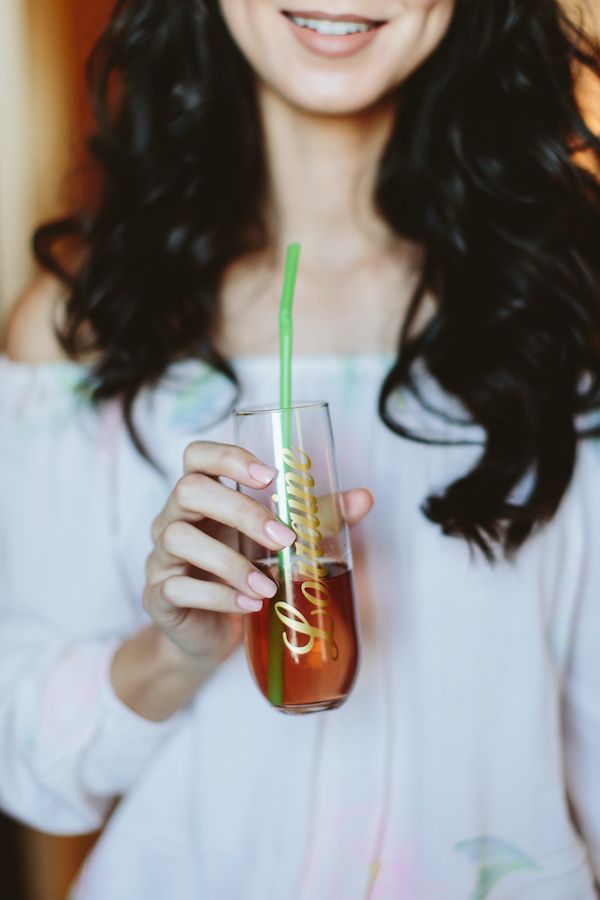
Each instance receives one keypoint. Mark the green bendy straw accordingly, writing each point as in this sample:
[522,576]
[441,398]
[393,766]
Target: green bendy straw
[286,335]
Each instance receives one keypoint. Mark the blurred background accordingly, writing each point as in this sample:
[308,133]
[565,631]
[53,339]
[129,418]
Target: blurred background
[43,48]
[44,116]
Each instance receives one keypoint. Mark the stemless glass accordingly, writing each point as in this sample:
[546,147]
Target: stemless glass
[302,647]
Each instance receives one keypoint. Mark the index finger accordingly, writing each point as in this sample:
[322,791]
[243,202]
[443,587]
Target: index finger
[228,461]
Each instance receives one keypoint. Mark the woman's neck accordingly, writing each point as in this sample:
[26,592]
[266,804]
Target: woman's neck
[356,276]
[322,173]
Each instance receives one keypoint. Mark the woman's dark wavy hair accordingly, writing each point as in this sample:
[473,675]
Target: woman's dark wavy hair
[491,168]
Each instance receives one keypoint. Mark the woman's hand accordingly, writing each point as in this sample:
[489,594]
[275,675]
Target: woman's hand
[197,584]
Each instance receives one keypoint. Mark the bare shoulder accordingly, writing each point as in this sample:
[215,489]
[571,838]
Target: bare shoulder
[31,328]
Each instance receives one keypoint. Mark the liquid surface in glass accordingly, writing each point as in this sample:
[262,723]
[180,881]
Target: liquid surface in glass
[311,630]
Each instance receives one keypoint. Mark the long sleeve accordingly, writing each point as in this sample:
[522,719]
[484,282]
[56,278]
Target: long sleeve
[582,684]
[68,745]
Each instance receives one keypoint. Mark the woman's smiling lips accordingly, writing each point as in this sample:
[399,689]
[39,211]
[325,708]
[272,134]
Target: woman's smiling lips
[332,35]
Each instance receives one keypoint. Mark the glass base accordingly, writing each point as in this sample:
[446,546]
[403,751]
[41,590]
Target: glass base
[303,709]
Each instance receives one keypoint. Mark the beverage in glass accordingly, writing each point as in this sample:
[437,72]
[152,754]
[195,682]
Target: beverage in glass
[302,647]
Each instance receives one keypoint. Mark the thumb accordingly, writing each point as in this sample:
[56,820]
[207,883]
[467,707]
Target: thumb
[356,504]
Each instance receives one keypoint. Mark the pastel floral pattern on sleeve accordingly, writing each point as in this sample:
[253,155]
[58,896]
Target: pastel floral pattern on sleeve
[495,859]
[200,399]
[55,395]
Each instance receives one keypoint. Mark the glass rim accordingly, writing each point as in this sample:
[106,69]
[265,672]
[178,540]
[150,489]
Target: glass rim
[274,409]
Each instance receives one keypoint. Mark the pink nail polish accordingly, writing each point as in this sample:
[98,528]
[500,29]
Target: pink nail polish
[262,585]
[262,474]
[248,604]
[279,533]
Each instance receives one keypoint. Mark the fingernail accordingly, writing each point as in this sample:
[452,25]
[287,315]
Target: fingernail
[248,604]
[261,584]
[262,474]
[280,533]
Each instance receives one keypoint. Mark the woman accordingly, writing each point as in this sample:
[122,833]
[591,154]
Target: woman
[431,157]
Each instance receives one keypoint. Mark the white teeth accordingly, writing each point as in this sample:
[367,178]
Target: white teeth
[325,26]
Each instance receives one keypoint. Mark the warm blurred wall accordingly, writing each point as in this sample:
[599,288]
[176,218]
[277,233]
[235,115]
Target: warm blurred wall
[34,90]
[591,95]
[43,46]
[16,163]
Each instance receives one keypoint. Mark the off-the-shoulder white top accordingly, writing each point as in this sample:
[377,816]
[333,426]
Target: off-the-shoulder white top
[464,766]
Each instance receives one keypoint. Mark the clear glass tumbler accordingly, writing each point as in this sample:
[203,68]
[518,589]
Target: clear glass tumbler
[302,647]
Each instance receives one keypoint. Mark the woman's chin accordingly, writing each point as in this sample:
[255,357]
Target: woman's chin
[324,98]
